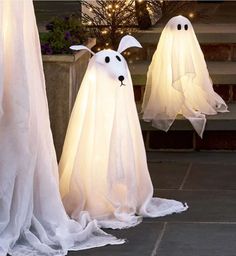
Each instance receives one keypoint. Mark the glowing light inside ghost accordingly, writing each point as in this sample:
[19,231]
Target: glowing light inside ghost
[178,81]
[103,168]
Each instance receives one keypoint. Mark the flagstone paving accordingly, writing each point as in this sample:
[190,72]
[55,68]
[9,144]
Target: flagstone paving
[207,182]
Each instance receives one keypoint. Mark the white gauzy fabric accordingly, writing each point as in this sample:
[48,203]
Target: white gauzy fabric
[103,168]
[178,81]
[33,220]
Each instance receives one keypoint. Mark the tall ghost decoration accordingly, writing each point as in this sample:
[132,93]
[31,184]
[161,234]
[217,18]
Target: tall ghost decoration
[103,167]
[33,220]
[178,81]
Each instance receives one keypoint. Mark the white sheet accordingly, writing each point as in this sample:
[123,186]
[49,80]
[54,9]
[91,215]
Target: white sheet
[178,81]
[32,217]
[103,168]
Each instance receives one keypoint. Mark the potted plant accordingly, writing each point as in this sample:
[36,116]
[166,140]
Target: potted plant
[64,70]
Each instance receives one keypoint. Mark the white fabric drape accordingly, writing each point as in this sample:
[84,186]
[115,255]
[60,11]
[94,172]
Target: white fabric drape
[32,217]
[178,81]
[103,168]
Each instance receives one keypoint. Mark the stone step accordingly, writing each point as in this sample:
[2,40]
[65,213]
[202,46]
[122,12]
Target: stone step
[219,122]
[212,52]
[220,72]
[223,75]
[219,134]
[218,42]
[206,33]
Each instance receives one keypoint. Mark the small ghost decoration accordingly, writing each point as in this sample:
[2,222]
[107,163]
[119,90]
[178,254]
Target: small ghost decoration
[103,168]
[178,81]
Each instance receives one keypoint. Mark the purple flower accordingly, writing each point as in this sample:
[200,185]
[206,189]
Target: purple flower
[46,49]
[67,35]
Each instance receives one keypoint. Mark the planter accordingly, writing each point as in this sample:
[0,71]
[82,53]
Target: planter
[63,75]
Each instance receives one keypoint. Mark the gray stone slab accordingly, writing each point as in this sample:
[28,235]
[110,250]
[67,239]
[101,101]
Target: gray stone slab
[187,239]
[211,176]
[220,72]
[167,175]
[46,10]
[204,206]
[194,157]
[63,75]
[141,241]
[206,33]
[219,122]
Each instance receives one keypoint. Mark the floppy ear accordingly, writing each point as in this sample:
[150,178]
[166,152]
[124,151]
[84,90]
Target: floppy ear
[127,42]
[81,47]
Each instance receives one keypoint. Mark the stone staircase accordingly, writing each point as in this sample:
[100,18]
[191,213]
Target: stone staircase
[218,42]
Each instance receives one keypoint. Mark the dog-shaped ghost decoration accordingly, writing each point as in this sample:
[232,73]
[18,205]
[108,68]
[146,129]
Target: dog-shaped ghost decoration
[103,168]
[178,81]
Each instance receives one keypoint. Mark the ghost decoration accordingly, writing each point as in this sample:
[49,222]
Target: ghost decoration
[33,220]
[103,168]
[178,81]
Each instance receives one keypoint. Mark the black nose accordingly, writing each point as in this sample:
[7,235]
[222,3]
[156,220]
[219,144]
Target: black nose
[121,78]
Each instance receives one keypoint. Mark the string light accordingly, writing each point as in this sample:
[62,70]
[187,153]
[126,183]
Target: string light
[191,15]
[108,11]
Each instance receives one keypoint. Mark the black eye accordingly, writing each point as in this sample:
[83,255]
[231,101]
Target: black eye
[118,57]
[107,59]
[179,27]
[186,27]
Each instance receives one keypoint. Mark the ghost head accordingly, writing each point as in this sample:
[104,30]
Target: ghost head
[179,23]
[112,63]
[178,81]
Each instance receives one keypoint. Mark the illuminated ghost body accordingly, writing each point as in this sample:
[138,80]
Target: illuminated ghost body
[103,163]
[33,220]
[178,81]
